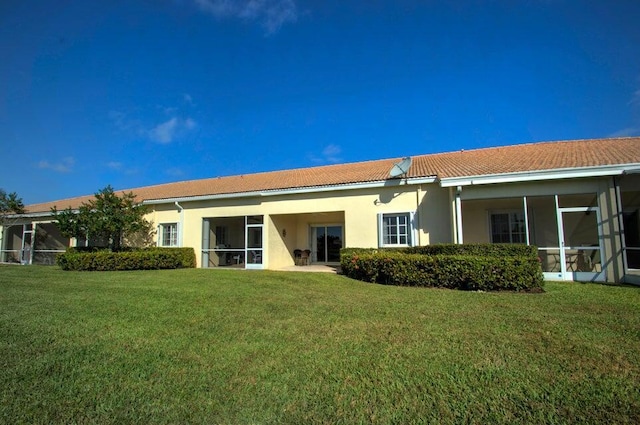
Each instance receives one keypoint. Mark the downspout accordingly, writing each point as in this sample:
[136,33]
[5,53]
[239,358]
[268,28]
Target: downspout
[181,223]
[416,225]
[458,216]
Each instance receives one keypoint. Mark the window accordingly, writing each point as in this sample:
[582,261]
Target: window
[508,227]
[396,229]
[169,234]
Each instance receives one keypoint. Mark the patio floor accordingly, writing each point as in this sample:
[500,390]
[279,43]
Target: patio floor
[316,268]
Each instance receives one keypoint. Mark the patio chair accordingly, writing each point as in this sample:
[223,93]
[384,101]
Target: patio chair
[304,257]
[297,255]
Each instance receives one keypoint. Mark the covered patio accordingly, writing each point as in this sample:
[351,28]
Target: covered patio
[320,233]
[32,243]
[567,229]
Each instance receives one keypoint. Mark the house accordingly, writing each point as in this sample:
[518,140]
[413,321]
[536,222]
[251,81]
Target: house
[578,201]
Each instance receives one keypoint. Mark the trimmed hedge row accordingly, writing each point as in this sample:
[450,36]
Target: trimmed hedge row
[481,249]
[142,259]
[498,269]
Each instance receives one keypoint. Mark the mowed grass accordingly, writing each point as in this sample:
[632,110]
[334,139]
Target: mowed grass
[228,346]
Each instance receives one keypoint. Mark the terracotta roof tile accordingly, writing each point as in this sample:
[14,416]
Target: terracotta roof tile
[498,160]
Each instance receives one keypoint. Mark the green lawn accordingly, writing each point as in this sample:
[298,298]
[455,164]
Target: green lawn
[229,346]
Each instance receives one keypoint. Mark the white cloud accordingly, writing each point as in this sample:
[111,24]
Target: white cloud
[165,132]
[169,130]
[174,172]
[330,154]
[186,97]
[64,166]
[189,124]
[121,168]
[120,120]
[271,14]
[626,132]
[636,98]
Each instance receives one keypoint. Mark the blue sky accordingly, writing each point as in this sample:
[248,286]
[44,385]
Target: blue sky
[135,93]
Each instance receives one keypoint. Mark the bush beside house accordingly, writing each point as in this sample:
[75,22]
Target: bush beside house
[486,267]
[140,259]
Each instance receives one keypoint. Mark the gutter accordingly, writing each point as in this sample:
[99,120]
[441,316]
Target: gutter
[555,174]
[293,191]
[31,215]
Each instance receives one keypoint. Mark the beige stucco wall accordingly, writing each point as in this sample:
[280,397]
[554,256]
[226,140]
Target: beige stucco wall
[357,210]
[280,247]
[434,215]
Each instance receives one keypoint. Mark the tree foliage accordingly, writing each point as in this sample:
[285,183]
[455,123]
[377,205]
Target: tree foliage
[108,220]
[10,204]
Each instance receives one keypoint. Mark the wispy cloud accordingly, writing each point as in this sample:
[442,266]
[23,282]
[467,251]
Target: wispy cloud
[121,168]
[122,121]
[330,154]
[165,132]
[271,14]
[626,132]
[169,130]
[63,166]
[174,172]
[635,99]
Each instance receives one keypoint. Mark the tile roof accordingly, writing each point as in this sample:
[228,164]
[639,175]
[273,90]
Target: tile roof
[477,162]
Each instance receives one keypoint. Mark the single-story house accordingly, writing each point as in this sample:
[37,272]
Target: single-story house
[578,201]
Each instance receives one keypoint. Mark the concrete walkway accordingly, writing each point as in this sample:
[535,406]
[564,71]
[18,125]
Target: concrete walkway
[315,268]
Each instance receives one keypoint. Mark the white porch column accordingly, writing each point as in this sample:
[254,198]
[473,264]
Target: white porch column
[205,243]
[526,219]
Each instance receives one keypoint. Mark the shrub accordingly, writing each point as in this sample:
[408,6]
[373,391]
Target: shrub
[501,267]
[141,259]
[482,249]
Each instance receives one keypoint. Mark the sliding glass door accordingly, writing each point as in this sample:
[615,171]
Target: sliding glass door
[326,242]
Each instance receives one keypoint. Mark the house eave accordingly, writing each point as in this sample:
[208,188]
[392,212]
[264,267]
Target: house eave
[296,190]
[555,174]
[30,215]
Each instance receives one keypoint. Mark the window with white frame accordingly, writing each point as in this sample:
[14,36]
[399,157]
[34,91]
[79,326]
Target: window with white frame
[169,234]
[507,227]
[396,229]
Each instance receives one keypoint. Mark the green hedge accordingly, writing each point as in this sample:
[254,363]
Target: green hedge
[143,259]
[482,249]
[501,267]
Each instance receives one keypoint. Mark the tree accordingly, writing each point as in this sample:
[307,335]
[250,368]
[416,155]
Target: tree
[10,204]
[108,219]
